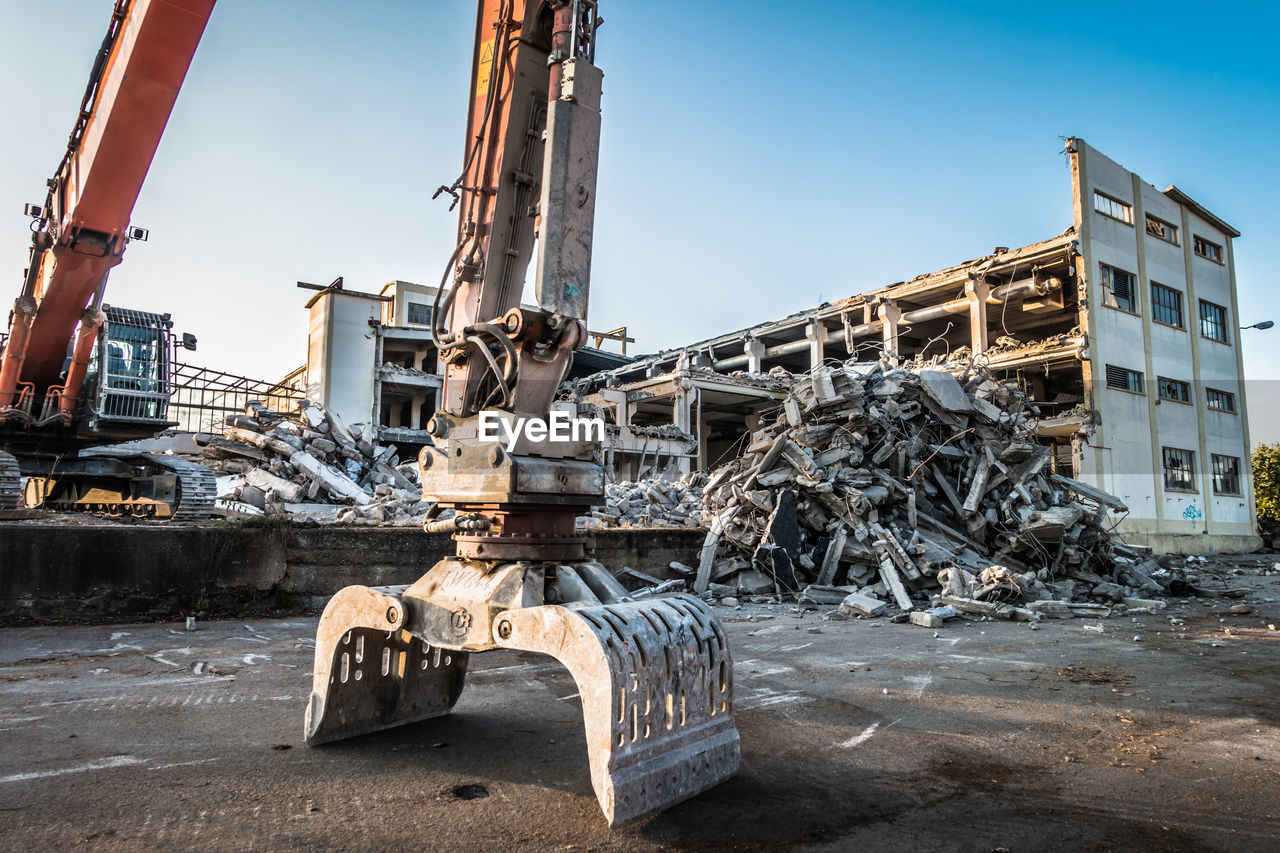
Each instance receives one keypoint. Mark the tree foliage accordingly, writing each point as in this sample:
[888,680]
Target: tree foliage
[1266,485]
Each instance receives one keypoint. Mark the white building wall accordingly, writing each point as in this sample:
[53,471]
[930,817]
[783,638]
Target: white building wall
[396,312]
[341,354]
[1123,438]
[1125,454]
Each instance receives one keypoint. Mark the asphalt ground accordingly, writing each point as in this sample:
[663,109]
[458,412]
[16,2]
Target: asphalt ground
[1148,732]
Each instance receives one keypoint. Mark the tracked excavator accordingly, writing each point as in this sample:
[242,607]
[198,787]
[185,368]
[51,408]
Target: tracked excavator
[654,674]
[76,373]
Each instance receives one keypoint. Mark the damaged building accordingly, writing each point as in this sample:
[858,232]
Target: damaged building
[1121,331]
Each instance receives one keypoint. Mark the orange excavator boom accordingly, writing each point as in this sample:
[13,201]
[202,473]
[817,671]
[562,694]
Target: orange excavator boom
[83,227]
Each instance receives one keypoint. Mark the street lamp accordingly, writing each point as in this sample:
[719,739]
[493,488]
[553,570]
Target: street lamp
[1265,324]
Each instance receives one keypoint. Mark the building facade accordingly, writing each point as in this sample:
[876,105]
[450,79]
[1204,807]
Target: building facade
[1164,373]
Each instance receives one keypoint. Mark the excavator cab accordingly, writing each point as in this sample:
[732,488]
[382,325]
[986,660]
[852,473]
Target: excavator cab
[129,377]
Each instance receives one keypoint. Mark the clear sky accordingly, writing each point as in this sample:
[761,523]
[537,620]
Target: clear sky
[757,159]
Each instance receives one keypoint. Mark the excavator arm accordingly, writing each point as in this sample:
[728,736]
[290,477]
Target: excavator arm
[655,674]
[533,132]
[83,227]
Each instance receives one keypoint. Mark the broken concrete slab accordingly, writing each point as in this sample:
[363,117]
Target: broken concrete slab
[856,604]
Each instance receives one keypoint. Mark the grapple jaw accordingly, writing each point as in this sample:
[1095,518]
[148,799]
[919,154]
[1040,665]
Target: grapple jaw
[656,682]
[371,674]
[655,675]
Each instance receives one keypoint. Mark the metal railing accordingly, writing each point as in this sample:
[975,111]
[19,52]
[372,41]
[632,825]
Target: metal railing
[202,397]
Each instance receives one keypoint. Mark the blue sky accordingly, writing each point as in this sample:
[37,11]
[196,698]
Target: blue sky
[756,159]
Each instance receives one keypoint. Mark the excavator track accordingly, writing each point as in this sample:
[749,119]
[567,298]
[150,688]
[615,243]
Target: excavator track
[10,482]
[196,493]
[197,488]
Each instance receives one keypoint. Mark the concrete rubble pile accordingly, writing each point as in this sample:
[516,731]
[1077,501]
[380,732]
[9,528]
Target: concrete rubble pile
[878,485]
[651,503]
[312,465]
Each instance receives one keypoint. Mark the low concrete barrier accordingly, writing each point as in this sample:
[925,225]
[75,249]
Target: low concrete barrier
[53,574]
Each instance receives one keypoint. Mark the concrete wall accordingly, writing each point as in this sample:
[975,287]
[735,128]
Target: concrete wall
[1125,453]
[341,354]
[57,574]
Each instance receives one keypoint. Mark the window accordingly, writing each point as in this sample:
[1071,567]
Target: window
[418,314]
[1159,228]
[1117,286]
[1172,389]
[1166,305]
[1213,322]
[1221,401]
[1179,476]
[1113,207]
[1124,379]
[1206,249]
[1226,475]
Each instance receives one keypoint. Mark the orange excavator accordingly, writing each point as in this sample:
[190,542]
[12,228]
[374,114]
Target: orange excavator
[75,373]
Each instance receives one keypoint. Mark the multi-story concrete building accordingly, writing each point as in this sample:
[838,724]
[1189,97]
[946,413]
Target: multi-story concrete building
[1123,330]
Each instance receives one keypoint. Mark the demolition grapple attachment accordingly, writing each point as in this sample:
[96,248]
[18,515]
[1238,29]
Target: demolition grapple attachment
[655,675]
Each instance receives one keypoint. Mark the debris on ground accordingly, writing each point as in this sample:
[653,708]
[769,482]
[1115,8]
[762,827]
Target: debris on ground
[310,465]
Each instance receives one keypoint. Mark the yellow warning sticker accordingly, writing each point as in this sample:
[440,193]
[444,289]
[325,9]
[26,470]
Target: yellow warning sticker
[486,67]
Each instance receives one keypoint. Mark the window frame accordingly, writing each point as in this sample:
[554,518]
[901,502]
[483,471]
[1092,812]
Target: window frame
[1209,398]
[1134,376]
[1099,196]
[1190,469]
[1156,306]
[1169,226]
[1225,324]
[1185,386]
[1215,474]
[1198,242]
[409,305]
[1107,283]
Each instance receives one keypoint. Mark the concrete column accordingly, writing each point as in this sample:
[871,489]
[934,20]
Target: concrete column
[621,409]
[816,332]
[755,355]
[889,314]
[680,414]
[978,290]
[415,411]
[704,435]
